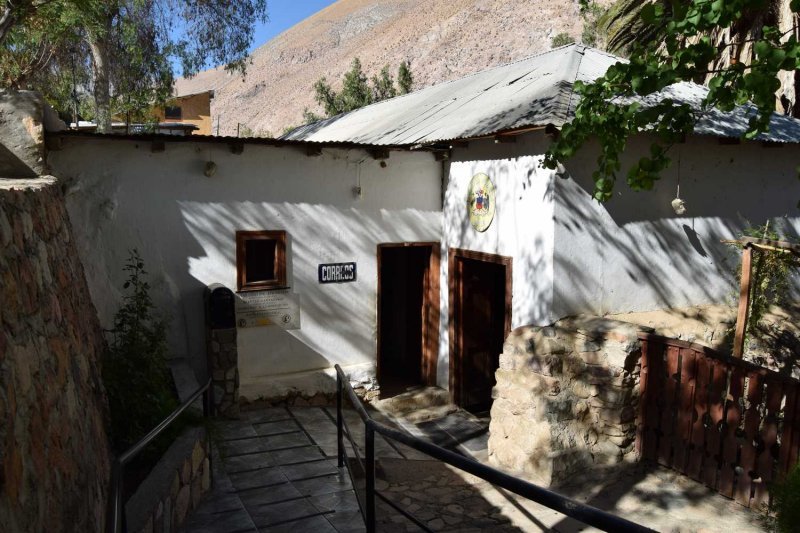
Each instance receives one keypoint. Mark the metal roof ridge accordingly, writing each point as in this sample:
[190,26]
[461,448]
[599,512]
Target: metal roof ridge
[478,73]
[572,84]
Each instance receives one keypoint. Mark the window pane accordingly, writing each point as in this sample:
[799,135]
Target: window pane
[173,112]
[260,260]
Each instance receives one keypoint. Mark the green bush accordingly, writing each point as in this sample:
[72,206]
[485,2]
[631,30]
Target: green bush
[786,503]
[561,39]
[769,281]
[135,372]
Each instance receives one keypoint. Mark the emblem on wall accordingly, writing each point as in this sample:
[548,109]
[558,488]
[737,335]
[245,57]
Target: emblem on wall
[481,201]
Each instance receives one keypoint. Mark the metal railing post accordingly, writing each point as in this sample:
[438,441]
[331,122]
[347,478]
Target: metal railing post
[369,445]
[339,430]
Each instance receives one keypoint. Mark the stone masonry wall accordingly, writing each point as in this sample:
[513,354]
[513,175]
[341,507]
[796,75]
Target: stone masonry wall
[54,455]
[566,399]
[223,361]
[174,486]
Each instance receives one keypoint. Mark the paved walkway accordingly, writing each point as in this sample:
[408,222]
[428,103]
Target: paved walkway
[278,473]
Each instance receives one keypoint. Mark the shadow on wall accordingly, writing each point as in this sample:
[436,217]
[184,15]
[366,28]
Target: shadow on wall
[12,166]
[633,253]
[518,229]
[184,224]
[338,321]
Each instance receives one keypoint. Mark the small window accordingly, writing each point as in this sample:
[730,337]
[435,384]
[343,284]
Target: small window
[172,112]
[260,260]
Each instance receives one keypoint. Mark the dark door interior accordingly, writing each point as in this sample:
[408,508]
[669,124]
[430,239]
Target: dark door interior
[480,330]
[402,295]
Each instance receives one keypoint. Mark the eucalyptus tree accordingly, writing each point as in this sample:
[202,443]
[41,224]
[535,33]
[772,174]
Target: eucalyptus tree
[689,40]
[124,47]
[358,90]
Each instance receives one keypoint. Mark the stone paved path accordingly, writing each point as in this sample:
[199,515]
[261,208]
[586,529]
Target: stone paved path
[278,473]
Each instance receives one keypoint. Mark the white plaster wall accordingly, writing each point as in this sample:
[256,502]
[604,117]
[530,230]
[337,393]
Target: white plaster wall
[522,227]
[121,196]
[635,254]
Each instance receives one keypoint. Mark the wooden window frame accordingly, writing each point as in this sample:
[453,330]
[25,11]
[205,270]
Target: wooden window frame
[168,117]
[279,236]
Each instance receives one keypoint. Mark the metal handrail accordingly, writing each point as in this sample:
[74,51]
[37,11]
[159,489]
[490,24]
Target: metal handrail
[587,514]
[115,513]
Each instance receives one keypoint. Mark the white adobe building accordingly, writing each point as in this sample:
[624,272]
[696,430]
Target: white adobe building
[386,187]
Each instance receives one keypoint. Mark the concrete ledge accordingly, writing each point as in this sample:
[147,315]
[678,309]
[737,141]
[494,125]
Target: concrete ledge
[313,387]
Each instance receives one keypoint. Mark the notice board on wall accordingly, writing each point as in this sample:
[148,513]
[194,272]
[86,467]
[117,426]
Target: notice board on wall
[268,308]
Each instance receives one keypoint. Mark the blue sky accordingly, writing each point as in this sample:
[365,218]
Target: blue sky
[283,14]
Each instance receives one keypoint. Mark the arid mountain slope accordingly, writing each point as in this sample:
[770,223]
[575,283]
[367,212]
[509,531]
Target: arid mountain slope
[442,39]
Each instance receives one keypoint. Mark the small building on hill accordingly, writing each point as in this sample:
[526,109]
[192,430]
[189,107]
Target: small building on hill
[189,110]
[405,240]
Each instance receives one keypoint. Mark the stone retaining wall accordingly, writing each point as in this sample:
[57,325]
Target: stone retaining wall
[566,399]
[54,454]
[174,486]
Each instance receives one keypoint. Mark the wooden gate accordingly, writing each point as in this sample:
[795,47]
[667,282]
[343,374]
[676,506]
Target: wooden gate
[727,423]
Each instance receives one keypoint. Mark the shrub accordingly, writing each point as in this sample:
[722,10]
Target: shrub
[135,372]
[786,503]
[769,281]
[561,39]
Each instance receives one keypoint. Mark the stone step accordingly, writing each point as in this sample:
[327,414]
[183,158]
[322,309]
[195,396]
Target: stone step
[417,404]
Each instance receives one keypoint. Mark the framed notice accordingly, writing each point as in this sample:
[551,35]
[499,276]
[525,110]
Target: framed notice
[268,308]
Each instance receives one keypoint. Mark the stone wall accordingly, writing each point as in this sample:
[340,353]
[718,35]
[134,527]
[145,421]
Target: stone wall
[566,399]
[174,486]
[223,360]
[54,455]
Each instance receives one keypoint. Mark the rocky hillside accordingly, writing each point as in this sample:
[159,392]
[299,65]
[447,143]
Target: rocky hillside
[442,40]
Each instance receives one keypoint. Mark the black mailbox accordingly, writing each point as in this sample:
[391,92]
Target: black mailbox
[220,307]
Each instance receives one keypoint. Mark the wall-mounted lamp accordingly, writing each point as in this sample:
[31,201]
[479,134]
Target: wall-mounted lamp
[357,191]
[211,169]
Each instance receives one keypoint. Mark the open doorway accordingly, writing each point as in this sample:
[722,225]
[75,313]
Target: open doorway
[408,315]
[480,321]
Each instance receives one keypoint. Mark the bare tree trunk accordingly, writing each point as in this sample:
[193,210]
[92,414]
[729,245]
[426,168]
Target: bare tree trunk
[7,20]
[787,95]
[102,90]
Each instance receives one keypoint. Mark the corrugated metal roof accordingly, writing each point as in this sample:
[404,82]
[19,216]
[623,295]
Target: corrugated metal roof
[222,139]
[712,121]
[535,91]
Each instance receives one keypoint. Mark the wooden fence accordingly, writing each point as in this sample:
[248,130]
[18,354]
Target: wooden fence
[727,423]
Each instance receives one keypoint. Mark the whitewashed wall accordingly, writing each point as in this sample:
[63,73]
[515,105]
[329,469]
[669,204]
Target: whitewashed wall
[522,227]
[635,254]
[632,253]
[121,196]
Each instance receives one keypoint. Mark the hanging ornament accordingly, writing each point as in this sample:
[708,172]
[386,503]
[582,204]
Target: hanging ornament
[678,205]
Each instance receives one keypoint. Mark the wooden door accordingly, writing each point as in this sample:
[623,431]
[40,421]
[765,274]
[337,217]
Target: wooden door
[480,322]
[408,315]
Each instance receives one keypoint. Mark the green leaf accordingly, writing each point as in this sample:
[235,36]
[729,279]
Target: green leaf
[648,13]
